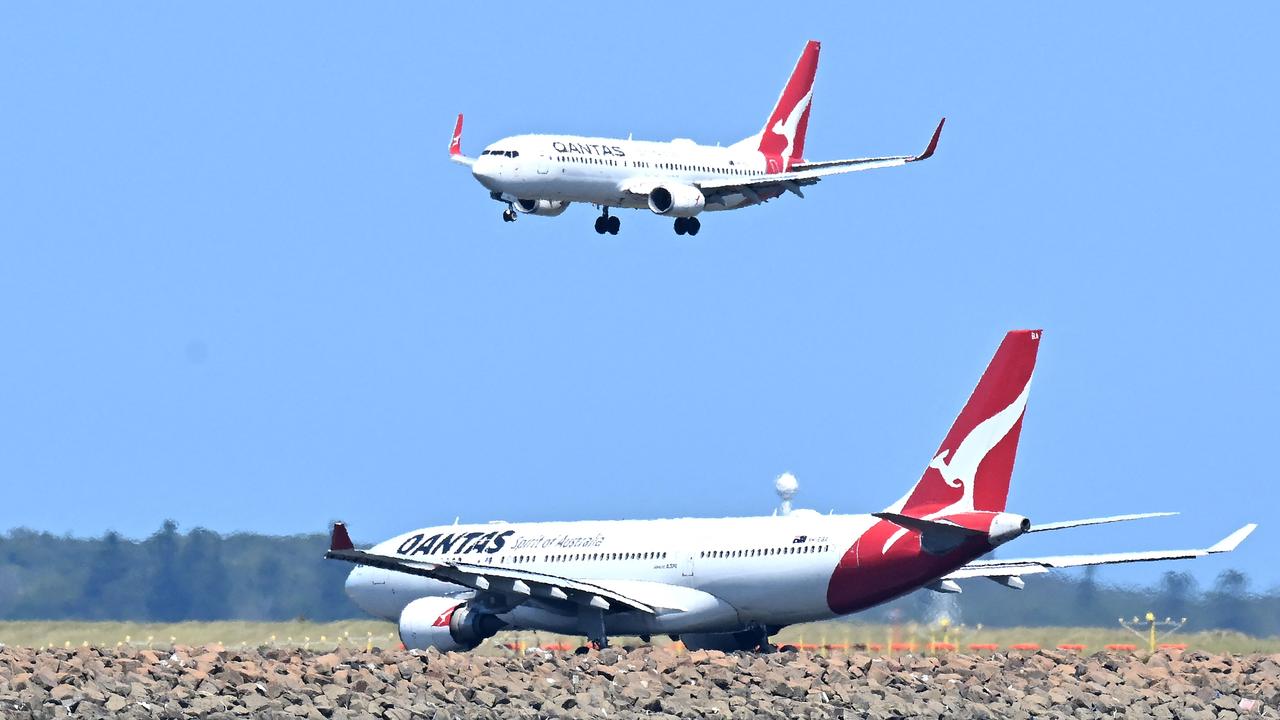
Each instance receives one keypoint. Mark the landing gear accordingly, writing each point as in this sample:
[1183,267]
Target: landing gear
[592,621]
[607,223]
[509,215]
[689,226]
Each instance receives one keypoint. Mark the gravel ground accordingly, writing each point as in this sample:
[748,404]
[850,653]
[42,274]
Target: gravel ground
[646,682]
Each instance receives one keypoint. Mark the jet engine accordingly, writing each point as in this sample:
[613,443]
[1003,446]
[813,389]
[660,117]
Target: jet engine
[549,208]
[676,200]
[445,624]
[1007,526]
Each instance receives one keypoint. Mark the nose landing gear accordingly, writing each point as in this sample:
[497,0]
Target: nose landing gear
[607,223]
[509,215]
[689,226]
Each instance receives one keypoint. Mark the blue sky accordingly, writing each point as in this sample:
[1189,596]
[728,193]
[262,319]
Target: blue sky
[242,287]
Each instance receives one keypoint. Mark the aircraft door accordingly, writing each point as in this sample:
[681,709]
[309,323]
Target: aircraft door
[686,565]
[544,165]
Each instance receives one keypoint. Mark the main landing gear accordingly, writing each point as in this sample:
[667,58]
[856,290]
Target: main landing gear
[607,223]
[688,226]
[509,215]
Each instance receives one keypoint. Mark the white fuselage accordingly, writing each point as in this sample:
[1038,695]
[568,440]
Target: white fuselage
[737,571]
[568,168]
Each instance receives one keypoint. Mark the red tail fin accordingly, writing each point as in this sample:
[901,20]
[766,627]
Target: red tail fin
[455,143]
[783,134]
[972,467]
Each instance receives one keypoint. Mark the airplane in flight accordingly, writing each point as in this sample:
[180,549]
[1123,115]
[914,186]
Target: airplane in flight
[730,583]
[543,174]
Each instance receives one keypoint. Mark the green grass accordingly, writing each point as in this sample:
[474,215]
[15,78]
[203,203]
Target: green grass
[359,633]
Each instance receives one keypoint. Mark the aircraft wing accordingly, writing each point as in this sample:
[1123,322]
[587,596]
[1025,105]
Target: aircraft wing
[809,173]
[508,581]
[1001,568]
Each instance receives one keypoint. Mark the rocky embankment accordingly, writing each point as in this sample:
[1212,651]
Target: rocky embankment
[648,682]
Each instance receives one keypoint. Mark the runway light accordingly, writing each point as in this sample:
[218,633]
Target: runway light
[1148,633]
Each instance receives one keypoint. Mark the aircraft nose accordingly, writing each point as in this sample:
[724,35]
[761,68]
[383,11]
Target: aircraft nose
[485,170]
[359,586]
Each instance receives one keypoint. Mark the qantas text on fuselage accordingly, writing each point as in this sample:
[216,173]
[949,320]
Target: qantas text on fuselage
[730,583]
[544,174]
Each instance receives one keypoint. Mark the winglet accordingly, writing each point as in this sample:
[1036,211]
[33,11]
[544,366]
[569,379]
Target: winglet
[340,540]
[928,152]
[1230,542]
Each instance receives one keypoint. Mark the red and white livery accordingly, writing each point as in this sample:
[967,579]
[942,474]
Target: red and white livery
[730,583]
[544,174]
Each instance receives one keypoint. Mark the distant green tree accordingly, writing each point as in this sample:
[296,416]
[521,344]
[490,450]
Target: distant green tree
[167,599]
[1227,605]
[204,578]
[1087,591]
[265,582]
[1177,596]
[108,591]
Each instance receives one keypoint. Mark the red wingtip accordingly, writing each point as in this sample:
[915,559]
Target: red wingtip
[455,144]
[933,142]
[340,540]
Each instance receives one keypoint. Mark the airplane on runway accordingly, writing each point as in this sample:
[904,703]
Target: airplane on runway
[730,583]
[543,174]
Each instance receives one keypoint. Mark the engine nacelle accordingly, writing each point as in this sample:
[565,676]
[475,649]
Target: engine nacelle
[1007,526]
[548,208]
[676,200]
[445,624]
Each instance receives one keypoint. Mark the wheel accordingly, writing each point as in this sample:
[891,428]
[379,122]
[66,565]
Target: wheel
[602,225]
[613,225]
[693,226]
[508,216]
[681,226]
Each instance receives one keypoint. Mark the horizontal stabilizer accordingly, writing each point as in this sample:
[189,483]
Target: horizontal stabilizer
[921,525]
[937,537]
[1064,524]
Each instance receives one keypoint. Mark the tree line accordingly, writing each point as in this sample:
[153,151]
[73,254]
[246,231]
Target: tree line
[200,575]
[170,576]
[1079,599]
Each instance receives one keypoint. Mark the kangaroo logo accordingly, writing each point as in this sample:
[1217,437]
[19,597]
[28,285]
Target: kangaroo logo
[445,618]
[960,468]
[787,128]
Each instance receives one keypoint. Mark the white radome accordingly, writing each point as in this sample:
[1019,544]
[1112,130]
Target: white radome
[786,485]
